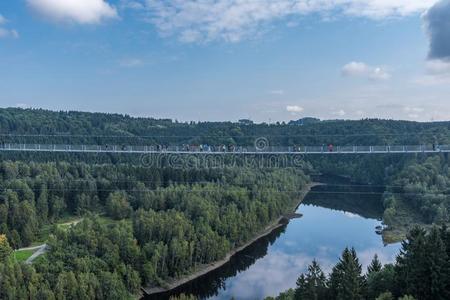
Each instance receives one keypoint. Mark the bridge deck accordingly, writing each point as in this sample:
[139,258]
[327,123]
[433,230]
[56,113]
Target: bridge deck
[237,150]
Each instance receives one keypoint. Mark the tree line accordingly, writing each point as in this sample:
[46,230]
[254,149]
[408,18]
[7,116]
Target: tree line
[72,127]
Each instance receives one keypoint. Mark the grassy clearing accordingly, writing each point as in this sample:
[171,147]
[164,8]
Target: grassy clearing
[23,255]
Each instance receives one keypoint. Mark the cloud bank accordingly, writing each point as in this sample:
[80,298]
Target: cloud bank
[74,11]
[234,20]
[360,69]
[437,20]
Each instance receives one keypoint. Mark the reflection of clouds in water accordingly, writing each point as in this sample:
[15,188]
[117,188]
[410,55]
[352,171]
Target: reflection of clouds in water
[322,234]
[324,251]
[279,271]
[271,275]
[290,243]
[350,215]
[385,255]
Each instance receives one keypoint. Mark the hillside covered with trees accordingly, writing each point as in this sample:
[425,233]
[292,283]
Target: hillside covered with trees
[141,226]
[146,225]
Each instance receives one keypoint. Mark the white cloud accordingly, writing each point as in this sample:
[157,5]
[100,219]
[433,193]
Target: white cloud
[131,62]
[8,33]
[78,11]
[360,69]
[277,92]
[438,66]
[294,109]
[413,112]
[355,69]
[437,73]
[2,19]
[413,109]
[379,73]
[340,113]
[234,20]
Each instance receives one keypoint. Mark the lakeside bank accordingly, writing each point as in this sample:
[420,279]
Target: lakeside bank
[205,269]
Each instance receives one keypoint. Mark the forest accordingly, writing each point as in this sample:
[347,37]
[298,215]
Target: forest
[421,271]
[140,226]
[44,126]
[146,224]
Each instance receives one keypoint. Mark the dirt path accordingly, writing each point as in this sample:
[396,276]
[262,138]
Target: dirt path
[31,248]
[41,250]
[71,223]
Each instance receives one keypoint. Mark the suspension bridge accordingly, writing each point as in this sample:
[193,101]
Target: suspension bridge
[222,150]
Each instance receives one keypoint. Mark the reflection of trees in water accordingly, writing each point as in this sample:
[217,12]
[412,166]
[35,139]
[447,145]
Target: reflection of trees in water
[356,199]
[210,284]
[334,197]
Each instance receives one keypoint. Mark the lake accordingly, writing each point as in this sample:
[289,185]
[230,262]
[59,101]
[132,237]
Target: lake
[335,216]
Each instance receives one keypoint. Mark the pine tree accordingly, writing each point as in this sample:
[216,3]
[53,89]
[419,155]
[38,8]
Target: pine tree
[421,268]
[380,282]
[346,281]
[436,262]
[409,262]
[312,285]
[375,265]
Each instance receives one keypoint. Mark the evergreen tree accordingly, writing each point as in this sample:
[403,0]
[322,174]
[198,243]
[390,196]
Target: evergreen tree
[410,263]
[437,264]
[375,265]
[312,285]
[422,266]
[381,281]
[346,281]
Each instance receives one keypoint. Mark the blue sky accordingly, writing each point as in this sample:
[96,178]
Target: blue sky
[228,59]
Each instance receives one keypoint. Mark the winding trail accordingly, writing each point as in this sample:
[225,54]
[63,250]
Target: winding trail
[40,250]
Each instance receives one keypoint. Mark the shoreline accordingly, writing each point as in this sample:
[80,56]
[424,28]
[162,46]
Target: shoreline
[217,264]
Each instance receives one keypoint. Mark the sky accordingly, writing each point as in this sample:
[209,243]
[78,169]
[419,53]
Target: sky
[216,60]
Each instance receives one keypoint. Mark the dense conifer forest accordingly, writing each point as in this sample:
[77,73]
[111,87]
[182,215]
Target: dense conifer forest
[141,224]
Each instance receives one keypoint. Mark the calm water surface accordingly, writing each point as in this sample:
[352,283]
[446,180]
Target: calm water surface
[334,217]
